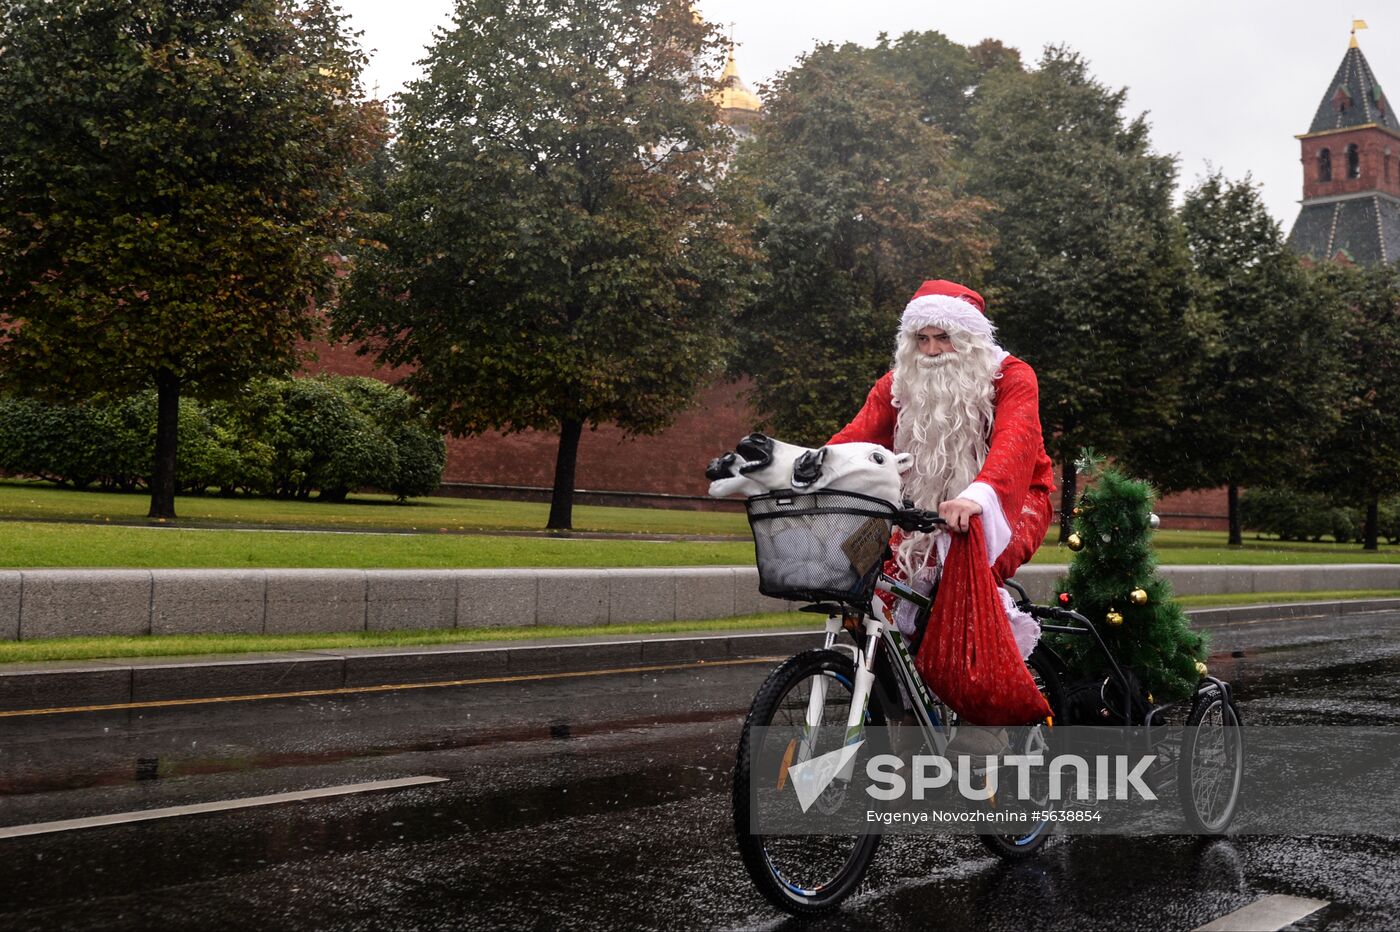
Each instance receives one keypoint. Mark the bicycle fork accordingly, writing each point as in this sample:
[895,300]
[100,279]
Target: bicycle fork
[860,694]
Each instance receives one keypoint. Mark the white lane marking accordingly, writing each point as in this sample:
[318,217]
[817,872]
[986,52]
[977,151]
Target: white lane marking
[1264,915]
[121,818]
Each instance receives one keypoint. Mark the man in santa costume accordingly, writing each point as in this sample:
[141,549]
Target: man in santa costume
[969,412]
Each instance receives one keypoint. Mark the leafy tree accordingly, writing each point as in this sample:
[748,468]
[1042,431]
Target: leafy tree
[558,251]
[860,201]
[1267,385]
[1090,275]
[943,75]
[1360,461]
[173,176]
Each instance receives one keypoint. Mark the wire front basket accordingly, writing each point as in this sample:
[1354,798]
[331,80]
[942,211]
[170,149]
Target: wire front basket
[819,546]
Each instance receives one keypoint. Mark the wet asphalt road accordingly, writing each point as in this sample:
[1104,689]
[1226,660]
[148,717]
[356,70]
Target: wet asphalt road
[603,802]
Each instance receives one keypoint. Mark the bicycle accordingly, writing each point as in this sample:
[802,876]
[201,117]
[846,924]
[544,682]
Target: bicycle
[828,549]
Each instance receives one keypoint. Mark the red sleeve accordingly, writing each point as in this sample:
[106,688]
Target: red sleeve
[1016,456]
[874,423]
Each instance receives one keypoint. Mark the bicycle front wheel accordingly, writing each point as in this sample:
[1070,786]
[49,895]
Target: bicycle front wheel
[802,874]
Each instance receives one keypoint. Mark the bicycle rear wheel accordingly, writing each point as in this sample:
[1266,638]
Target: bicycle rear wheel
[802,874]
[1211,769]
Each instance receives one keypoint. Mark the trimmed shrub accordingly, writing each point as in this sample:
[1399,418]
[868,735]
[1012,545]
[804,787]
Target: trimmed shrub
[288,438]
[419,453]
[1389,520]
[69,445]
[1293,515]
[322,443]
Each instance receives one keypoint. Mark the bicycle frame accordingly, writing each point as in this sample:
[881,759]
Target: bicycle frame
[933,717]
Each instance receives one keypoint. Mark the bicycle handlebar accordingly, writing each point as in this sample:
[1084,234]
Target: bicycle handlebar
[916,519]
[1055,613]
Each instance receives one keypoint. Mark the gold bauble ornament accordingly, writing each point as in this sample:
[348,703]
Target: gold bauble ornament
[1138,597]
[1074,542]
[1078,511]
[1201,669]
[1114,618]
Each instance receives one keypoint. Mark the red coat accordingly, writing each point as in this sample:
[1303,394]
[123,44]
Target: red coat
[1014,484]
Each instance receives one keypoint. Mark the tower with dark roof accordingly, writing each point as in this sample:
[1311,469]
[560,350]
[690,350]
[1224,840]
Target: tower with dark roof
[1351,176]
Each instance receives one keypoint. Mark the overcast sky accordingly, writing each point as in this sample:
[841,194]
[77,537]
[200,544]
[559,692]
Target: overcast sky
[1225,83]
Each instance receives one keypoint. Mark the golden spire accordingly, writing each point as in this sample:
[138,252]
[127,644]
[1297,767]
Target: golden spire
[1355,25]
[732,93]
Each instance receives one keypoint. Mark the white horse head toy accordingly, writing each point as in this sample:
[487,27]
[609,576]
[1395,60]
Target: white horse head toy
[866,468]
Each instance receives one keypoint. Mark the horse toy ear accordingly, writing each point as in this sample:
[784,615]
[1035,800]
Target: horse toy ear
[905,462]
[808,468]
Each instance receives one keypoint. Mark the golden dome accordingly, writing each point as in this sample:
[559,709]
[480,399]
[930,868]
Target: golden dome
[732,93]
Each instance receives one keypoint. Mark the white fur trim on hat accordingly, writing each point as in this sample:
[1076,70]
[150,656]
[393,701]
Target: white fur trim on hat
[940,310]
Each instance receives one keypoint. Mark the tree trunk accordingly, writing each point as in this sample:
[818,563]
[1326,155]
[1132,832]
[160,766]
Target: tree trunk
[561,505]
[1236,538]
[1069,492]
[1373,520]
[167,438]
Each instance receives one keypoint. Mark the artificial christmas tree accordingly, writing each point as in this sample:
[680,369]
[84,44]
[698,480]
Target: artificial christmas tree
[1113,581]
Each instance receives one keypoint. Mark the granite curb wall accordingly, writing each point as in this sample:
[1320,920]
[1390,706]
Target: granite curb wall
[58,685]
[64,684]
[67,603]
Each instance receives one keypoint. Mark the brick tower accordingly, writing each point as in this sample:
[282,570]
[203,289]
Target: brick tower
[1351,171]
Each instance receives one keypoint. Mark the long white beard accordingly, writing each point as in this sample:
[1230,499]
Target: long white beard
[945,419]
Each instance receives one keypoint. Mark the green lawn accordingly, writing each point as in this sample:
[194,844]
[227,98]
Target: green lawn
[30,544]
[89,648]
[1209,548]
[108,648]
[1273,598]
[43,502]
[60,528]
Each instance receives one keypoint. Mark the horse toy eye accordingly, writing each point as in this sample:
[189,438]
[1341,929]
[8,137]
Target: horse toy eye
[879,458]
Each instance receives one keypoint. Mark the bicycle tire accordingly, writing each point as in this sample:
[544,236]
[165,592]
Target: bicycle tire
[1203,770]
[783,891]
[1028,845]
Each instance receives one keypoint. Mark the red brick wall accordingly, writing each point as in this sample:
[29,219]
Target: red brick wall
[341,359]
[1206,510]
[1373,145]
[669,463]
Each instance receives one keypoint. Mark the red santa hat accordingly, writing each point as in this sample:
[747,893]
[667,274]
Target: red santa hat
[946,304]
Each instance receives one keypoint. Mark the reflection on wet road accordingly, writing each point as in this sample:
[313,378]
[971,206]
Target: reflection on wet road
[602,803]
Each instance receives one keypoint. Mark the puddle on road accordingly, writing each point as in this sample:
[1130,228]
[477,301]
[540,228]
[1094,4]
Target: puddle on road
[540,789]
[43,778]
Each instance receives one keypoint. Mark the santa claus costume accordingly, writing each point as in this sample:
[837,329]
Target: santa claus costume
[971,420]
